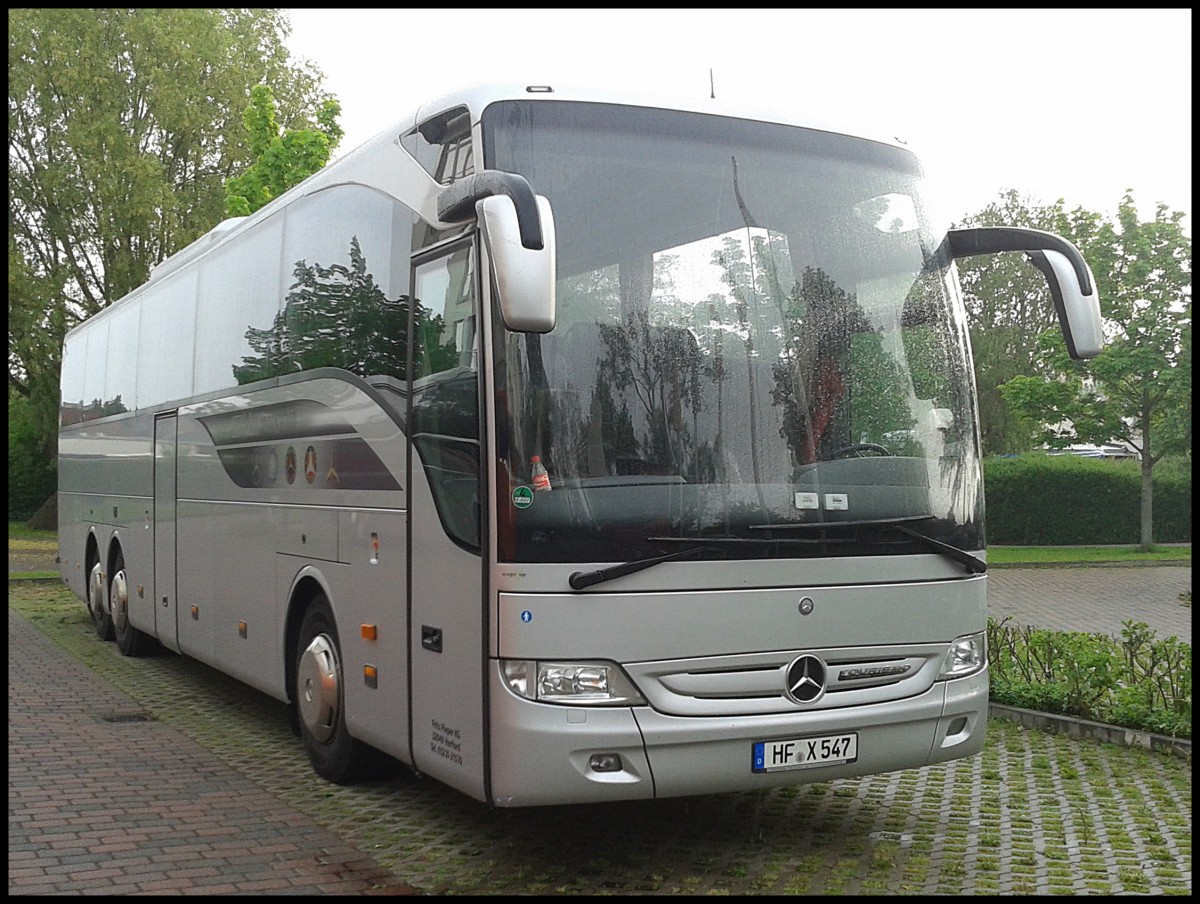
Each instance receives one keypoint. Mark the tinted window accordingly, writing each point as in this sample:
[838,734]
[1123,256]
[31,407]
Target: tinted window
[165,336]
[239,285]
[344,290]
[445,411]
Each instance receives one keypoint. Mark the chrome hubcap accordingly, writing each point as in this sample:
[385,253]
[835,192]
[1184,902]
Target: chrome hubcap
[119,600]
[317,678]
[95,597]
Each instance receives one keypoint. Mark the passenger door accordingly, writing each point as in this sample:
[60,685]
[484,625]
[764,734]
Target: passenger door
[166,626]
[447,644]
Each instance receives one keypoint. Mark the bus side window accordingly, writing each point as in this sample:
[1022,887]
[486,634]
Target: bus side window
[445,393]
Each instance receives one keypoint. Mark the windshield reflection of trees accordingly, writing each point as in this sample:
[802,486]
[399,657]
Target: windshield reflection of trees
[727,383]
[659,369]
[711,416]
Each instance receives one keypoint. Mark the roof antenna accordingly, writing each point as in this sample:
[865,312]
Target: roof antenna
[712,91]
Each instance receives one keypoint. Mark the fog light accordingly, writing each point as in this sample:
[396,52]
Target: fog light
[605,762]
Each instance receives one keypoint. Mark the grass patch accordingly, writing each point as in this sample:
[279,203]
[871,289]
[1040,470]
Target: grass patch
[18,530]
[1068,555]
[30,548]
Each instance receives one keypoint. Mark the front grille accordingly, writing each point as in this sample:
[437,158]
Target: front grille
[753,684]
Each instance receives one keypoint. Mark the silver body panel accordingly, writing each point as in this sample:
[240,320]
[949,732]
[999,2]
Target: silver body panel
[712,669]
[541,754]
[644,626]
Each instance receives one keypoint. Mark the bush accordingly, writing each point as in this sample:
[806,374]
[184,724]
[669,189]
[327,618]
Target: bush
[1095,501]
[32,475]
[1140,682]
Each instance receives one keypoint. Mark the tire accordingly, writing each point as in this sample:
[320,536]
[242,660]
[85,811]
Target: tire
[97,603]
[130,641]
[319,697]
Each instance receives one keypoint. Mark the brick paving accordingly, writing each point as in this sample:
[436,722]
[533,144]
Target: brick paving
[102,799]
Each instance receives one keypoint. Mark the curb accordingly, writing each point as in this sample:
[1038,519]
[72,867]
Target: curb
[1099,731]
[1156,563]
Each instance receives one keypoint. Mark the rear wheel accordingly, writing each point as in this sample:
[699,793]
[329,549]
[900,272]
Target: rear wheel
[97,603]
[130,640]
[319,696]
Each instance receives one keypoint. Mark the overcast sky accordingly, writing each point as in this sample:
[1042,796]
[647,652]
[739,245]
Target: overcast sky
[1072,104]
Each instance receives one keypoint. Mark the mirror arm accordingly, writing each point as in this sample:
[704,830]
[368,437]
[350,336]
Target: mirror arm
[991,239]
[456,202]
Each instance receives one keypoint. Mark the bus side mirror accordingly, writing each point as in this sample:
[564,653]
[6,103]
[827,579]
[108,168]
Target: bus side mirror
[518,232]
[523,277]
[1071,282]
[1078,313]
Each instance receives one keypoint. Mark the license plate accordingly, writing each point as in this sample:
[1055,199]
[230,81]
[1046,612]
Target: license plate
[799,753]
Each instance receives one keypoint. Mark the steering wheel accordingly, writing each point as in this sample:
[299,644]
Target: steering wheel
[859,450]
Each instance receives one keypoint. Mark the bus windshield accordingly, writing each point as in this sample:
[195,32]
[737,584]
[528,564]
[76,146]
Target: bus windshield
[759,338]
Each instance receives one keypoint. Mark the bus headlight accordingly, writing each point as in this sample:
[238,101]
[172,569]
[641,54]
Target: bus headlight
[572,683]
[966,656]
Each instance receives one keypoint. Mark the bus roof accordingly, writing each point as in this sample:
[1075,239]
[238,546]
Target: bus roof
[476,97]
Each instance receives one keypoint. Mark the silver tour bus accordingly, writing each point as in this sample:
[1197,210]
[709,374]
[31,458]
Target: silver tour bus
[564,447]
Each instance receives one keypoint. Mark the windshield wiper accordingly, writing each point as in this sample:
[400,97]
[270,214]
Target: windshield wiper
[973,564]
[580,579]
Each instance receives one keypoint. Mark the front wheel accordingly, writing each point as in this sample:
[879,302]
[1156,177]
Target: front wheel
[319,697]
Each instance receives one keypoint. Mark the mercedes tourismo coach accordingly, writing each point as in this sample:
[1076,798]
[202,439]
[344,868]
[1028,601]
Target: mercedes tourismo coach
[564,447]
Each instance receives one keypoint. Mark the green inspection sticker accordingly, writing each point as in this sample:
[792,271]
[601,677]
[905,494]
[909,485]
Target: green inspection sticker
[522,497]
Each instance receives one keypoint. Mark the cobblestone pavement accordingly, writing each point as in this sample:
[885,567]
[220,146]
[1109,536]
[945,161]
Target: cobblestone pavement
[103,797]
[160,775]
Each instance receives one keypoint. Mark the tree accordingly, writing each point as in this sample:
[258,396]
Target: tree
[1139,388]
[1008,308]
[123,126]
[30,474]
[281,161]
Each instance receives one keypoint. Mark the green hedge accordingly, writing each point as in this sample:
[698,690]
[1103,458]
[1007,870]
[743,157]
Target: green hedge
[32,475]
[1138,682]
[1067,500]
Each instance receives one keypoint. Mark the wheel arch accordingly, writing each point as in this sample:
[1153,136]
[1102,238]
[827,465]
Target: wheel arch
[306,587]
[91,550]
[115,548]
